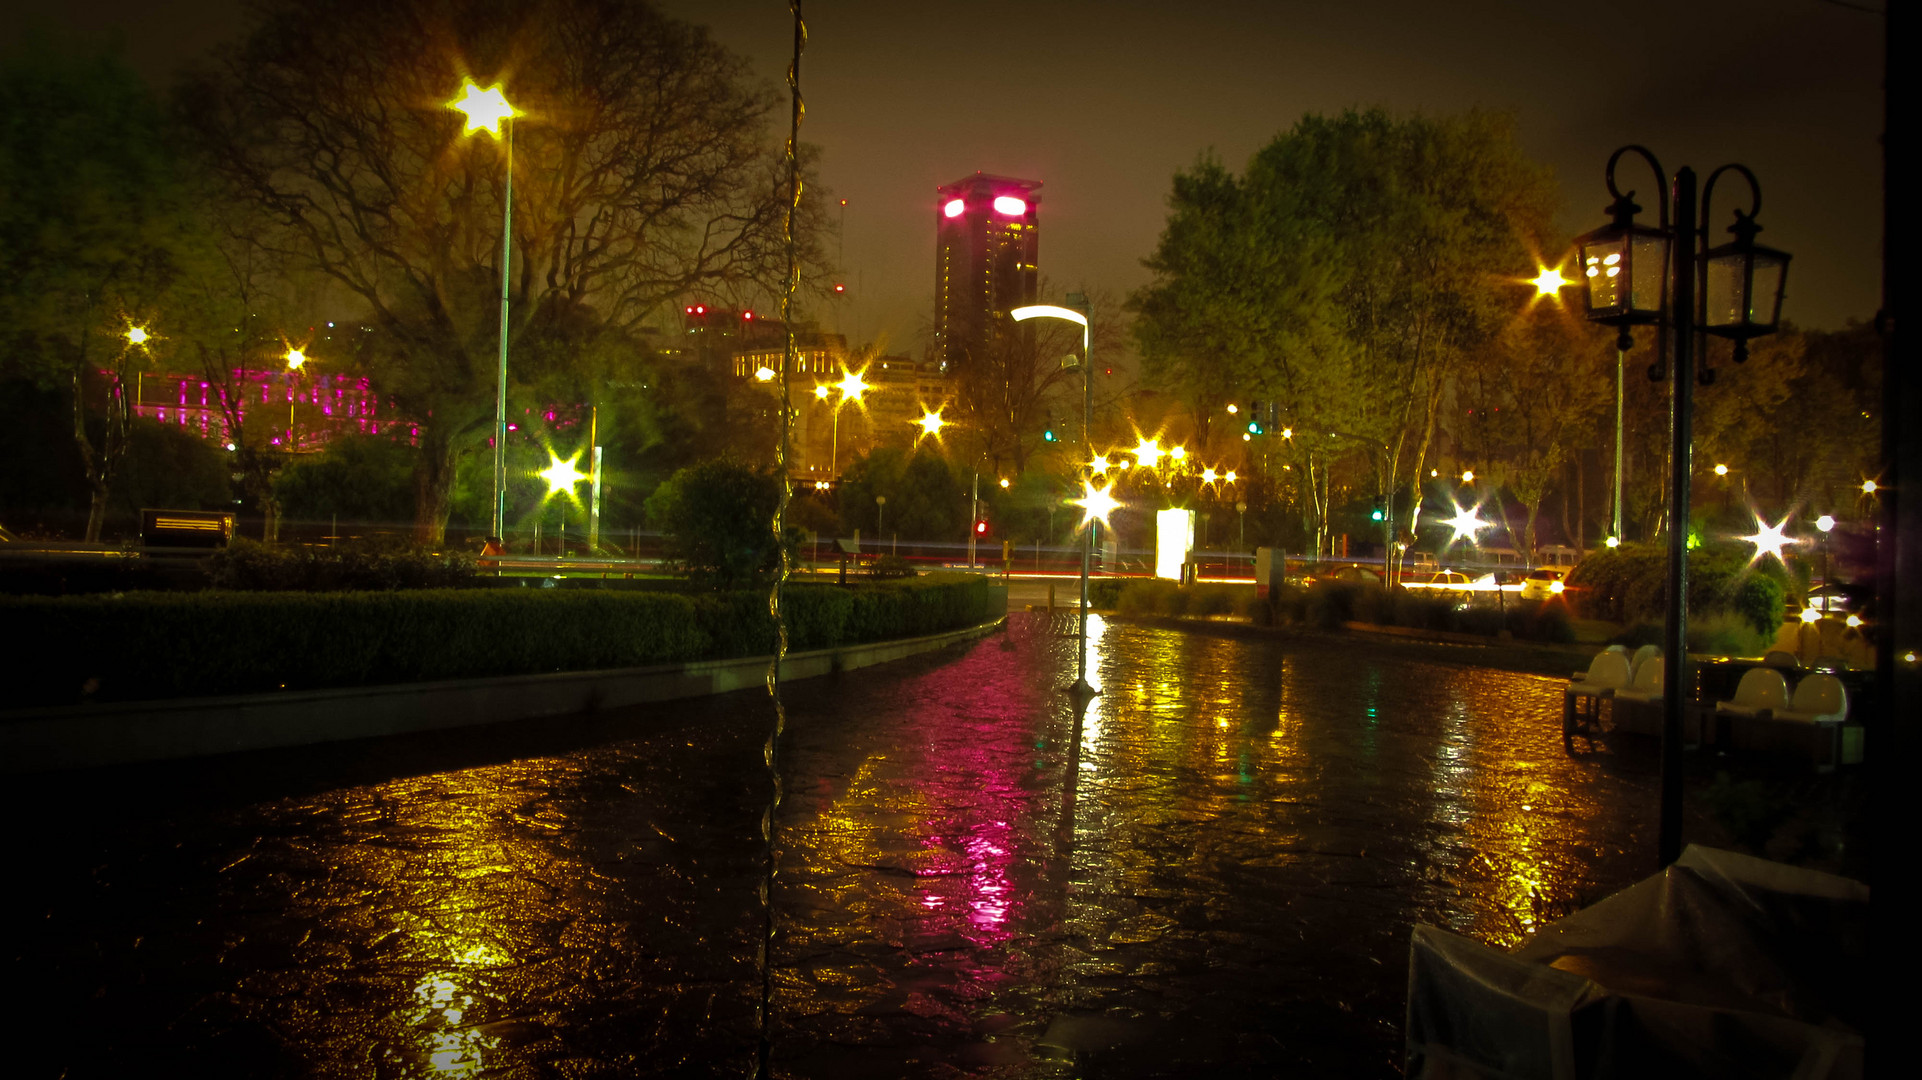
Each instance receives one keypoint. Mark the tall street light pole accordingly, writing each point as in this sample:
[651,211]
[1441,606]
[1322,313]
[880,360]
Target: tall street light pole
[1668,277]
[1049,311]
[487,110]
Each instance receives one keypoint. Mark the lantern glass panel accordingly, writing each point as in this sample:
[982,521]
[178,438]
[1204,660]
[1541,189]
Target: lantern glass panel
[1725,295]
[1649,268]
[1765,289]
[1602,274]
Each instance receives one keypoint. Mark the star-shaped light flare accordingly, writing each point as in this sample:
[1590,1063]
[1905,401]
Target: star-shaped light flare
[137,335]
[1099,466]
[1095,503]
[930,422]
[1466,523]
[562,475]
[1549,282]
[1209,476]
[1147,452]
[1769,539]
[852,385]
[484,109]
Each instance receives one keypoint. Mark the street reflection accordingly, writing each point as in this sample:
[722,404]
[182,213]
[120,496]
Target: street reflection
[1221,868]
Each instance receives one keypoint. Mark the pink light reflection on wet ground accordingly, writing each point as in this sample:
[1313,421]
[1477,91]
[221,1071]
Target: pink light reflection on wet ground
[1223,880]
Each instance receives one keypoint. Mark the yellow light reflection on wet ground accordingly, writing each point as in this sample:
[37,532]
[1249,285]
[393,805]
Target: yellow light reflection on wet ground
[1223,868]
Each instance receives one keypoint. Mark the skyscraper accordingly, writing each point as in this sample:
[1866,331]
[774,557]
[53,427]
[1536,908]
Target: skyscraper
[987,237]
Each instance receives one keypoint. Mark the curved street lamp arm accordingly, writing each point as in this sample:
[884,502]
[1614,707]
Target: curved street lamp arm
[1755,199]
[1626,202]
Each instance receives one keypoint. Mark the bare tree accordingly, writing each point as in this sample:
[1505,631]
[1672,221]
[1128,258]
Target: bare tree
[642,170]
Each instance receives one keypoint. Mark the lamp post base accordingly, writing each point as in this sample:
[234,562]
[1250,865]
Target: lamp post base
[1080,689]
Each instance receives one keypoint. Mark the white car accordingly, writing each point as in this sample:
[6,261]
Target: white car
[1543,584]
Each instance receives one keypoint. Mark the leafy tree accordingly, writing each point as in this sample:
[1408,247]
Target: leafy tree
[642,171]
[718,518]
[1798,423]
[91,225]
[1347,273]
[925,499]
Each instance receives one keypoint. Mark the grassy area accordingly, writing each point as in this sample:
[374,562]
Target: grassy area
[155,645]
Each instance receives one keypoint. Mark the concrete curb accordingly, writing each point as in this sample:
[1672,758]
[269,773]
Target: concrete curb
[88,736]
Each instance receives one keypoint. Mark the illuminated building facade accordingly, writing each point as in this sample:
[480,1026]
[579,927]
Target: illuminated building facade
[987,239]
[291,410]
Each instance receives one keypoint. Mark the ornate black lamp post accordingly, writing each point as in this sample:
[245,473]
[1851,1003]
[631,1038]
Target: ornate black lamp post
[1668,277]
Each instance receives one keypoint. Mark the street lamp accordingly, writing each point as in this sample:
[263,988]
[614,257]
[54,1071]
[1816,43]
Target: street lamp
[487,110]
[1826,524]
[1092,520]
[1638,275]
[852,386]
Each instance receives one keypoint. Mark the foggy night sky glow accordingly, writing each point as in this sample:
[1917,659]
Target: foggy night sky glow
[1102,102]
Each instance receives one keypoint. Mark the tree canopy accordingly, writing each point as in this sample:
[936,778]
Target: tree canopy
[1347,274]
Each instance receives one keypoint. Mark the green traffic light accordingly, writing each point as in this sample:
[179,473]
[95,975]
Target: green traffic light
[1047,436]
[1375,515]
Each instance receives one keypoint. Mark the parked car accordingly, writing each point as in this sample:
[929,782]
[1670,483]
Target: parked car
[1451,584]
[1543,583]
[1352,575]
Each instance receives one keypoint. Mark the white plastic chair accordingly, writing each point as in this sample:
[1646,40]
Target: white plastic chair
[1647,686]
[1819,698]
[1582,699]
[1642,656]
[1780,658]
[1759,694]
[1623,649]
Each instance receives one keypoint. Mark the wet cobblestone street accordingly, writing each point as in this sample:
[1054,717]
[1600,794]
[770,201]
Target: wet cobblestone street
[1219,880]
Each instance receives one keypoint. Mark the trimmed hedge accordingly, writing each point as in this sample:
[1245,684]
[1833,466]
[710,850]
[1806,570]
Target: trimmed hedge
[1329,604]
[156,645]
[250,566]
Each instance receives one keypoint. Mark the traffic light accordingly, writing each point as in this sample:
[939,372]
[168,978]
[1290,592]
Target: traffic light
[1047,433]
[980,527]
[1254,420]
[1380,512]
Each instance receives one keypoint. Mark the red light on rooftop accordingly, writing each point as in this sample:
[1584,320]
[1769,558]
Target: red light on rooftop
[746,315]
[840,288]
[700,309]
[954,207]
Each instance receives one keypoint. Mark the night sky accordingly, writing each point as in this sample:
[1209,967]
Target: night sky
[1102,101]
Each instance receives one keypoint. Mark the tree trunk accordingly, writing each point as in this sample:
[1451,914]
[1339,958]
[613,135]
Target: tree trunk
[433,488]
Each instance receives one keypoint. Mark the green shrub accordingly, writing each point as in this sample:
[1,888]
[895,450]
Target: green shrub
[716,518]
[248,566]
[1727,634]
[1105,593]
[1631,583]
[152,645]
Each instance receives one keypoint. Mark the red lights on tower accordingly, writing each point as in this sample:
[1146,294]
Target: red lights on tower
[839,288]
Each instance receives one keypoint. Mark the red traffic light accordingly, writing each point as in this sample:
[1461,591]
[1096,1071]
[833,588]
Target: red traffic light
[980,528]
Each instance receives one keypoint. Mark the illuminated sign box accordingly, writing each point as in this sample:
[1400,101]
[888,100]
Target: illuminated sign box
[1174,539]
